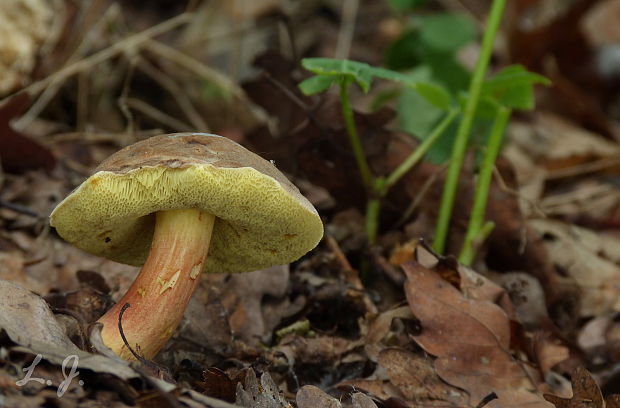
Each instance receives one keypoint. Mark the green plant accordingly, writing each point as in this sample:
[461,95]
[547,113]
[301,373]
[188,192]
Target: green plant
[428,49]
[511,88]
[343,73]
[488,103]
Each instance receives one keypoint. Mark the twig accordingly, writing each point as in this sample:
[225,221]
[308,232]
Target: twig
[195,66]
[83,92]
[350,274]
[286,22]
[52,89]
[347,28]
[122,100]
[287,92]
[19,209]
[149,364]
[415,203]
[342,260]
[395,274]
[584,168]
[179,95]
[158,115]
[504,187]
[310,115]
[107,53]
[492,396]
[120,330]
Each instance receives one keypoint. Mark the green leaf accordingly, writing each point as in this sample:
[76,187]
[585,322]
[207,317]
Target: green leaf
[405,52]
[362,73]
[316,84]
[447,70]
[328,71]
[416,115]
[383,98]
[405,5]
[390,75]
[351,70]
[434,94]
[447,32]
[513,87]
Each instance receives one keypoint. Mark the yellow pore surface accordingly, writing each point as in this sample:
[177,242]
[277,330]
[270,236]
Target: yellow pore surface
[258,222]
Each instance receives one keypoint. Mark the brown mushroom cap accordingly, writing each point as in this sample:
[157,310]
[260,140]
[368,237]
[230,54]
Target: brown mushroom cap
[262,218]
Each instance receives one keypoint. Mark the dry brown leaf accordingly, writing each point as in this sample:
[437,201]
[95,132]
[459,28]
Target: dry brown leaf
[18,152]
[550,143]
[379,328]
[471,340]
[416,378]
[243,296]
[217,384]
[265,394]
[310,396]
[28,321]
[586,392]
[549,352]
[359,400]
[600,24]
[527,295]
[585,259]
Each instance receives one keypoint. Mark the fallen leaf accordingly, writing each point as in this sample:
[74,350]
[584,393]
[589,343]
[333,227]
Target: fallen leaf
[265,394]
[586,260]
[310,396]
[586,392]
[18,152]
[600,25]
[471,340]
[380,327]
[218,384]
[360,400]
[243,298]
[416,378]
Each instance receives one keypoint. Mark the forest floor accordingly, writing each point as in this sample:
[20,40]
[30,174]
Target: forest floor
[391,324]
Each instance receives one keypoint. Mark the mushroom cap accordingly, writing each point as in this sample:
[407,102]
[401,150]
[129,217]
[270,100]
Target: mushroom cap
[261,217]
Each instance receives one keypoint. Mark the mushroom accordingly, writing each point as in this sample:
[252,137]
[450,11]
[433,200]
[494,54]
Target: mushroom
[165,203]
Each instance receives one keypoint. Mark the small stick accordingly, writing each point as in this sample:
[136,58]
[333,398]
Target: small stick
[128,43]
[120,329]
[19,209]
[351,275]
[492,396]
[158,115]
[287,92]
[153,367]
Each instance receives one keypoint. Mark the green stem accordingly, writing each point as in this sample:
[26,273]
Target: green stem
[476,218]
[373,206]
[421,150]
[356,144]
[460,144]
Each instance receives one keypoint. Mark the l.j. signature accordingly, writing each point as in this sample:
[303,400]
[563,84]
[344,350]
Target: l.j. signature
[68,377]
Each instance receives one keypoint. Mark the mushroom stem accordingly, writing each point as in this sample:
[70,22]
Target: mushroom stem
[162,289]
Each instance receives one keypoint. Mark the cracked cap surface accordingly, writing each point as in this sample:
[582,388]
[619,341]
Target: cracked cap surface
[261,217]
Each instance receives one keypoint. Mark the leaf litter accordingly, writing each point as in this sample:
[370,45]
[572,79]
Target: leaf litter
[348,325]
